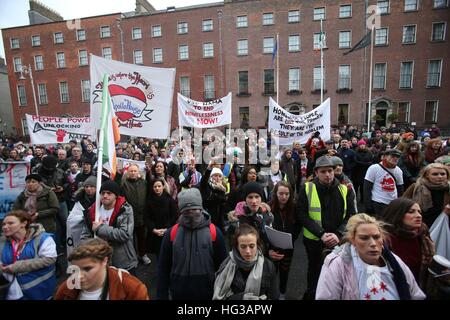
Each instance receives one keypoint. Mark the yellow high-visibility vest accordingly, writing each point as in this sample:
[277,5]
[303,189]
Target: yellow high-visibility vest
[314,208]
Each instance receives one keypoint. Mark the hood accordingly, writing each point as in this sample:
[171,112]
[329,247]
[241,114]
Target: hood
[206,221]
[35,230]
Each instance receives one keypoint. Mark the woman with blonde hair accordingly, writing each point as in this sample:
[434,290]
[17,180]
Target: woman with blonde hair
[94,279]
[431,191]
[365,269]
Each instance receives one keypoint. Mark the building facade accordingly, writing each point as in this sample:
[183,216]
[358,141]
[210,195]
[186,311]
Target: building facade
[229,47]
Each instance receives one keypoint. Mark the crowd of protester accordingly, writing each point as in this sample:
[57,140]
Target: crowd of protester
[359,201]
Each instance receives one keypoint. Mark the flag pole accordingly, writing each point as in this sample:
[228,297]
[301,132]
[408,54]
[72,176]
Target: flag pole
[321,62]
[100,147]
[369,112]
[278,66]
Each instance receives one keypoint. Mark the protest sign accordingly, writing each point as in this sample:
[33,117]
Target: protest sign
[286,127]
[50,130]
[12,183]
[208,114]
[123,164]
[141,96]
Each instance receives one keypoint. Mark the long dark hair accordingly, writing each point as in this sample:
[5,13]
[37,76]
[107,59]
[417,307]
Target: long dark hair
[289,208]
[245,173]
[395,212]
[154,168]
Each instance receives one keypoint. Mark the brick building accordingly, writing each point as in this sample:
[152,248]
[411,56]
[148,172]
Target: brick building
[222,47]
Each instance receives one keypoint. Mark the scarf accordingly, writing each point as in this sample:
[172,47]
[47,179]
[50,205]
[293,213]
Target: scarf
[422,192]
[225,276]
[31,202]
[194,179]
[191,221]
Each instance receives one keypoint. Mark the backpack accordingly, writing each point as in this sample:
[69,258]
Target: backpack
[212,230]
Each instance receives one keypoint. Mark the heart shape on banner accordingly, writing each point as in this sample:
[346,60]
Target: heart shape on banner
[127,103]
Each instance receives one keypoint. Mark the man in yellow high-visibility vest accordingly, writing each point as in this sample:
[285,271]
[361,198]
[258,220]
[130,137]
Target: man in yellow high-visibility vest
[324,207]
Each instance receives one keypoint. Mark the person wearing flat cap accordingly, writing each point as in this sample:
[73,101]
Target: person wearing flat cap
[191,252]
[324,207]
[39,201]
[115,224]
[383,183]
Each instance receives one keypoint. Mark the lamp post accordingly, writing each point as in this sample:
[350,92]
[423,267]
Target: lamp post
[118,20]
[28,70]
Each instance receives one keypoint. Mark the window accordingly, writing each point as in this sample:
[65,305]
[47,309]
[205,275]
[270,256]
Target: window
[42,91]
[379,76]
[317,78]
[137,57]
[22,95]
[434,73]
[294,43]
[60,60]
[293,16]
[156,31]
[182,27]
[409,34]
[243,82]
[36,41]
[241,22]
[25,127]
[137,33]
[58,37]
[345,39]
[185,89]
[268,19]
[105,32]
[381,37]
[64,92]
[83,57]
[294,79]
[207,25]
[244,117]
[242,47]
[157,55]
[85,90]
[208,50]
[411,5]
[38,63]
[268,45]
[440,4]
[438,31]
[209,87]
[431,111]
[269,83]
[345,11]
[17,64]
[406,74]
[107,53]
[183,52]
[343,113]
[344,77]
[319,13]
[81,35]
[383,6]
[15,43]
[404,109]
[316,40]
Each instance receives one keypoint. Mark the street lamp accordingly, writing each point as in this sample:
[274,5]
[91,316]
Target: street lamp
[28,70]
[118,20]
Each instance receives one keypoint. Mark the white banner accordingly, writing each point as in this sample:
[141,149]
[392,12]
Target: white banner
[12,183]
[141,96]
[50,130]
[288,127]
[209,114]
[123,163]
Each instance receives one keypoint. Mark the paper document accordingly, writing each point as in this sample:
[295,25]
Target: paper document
[279,239]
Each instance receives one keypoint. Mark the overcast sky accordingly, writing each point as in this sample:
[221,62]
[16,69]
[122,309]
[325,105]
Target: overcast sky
[14,13]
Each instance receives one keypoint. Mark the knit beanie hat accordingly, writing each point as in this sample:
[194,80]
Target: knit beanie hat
[216,171]
[361,142]
[49,162]
[110,186]
[91,181]
[253,187]
[190,199]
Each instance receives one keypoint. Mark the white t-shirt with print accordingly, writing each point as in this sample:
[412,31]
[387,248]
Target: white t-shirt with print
[384,189]
[105,215]
[374,283]
[91,295]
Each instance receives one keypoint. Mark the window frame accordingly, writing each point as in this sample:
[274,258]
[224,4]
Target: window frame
[349,87]
[315,14]
[440,73]
[290,17]
[36,62]
[154,55]
[108,32]
[246,47]
[13,40]
[444,31]
[77,34]
[44,94]
[135,57]
[179,52]
[80,57]
[207,27]
[349,39]
[83,98]
[345,5]
[61,93]
[412,75]
[299,44]
[415,34]
[208,50]
[242,22]
[435,112]
[153,30]
[33,44]
[58,40]
[271,21]
[58,65]
[182,27]
[134,35]
[385,75]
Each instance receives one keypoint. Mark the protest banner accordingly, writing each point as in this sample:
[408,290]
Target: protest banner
[286,127]
[123,164]
[208,114]
[12,183]
[50,130]
[141,96]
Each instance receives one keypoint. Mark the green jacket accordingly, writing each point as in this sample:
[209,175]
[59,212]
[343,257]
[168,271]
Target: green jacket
[47,207]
